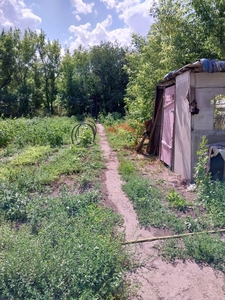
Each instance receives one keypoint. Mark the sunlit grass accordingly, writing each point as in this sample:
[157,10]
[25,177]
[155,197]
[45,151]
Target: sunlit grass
[31,155]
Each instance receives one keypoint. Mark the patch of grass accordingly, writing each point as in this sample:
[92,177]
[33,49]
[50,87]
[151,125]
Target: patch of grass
[205,249]
[147,201]
[13,203]
[122,136]
[127,167]
[31,172]
[37,131]
[31,155]
[74,254]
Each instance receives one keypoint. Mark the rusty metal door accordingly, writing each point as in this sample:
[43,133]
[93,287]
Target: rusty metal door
[167,126]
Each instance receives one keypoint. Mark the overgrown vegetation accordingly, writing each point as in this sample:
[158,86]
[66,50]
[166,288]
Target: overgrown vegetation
[56,240]
[161,209]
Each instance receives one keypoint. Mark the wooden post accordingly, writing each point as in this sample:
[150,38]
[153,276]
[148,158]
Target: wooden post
[154,124]
[139,148]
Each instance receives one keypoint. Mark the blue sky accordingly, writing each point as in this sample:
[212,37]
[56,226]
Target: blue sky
[75,22]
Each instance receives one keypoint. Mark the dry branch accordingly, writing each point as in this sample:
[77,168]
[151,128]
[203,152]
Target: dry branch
[157,238]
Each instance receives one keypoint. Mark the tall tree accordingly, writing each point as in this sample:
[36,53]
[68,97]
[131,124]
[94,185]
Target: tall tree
[49,53]
[8,67]
[107,63]
[76,82]
[8,43]
[25,58]
[176,37]
[211,14]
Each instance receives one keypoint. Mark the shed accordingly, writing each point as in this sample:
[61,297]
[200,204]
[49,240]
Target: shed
[188,105]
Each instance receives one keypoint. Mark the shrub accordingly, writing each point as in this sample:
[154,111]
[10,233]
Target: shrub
[13,203]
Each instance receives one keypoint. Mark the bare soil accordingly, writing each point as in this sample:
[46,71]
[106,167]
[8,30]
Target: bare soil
[157,279]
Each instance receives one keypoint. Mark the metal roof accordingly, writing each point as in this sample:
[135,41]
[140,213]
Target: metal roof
[202,65]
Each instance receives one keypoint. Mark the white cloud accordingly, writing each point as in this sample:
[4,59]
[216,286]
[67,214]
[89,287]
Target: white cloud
[136,15]
[86,37]
[81,7]
[14,13]
[78,18]
[109,3]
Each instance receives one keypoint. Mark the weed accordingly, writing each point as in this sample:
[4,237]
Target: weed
[69,258]
[127,167]
[176,201]
[13,203]
[148,204]
[122,136]
[31,155]
[86,136]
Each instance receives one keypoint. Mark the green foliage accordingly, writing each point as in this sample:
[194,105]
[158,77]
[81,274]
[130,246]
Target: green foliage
[46,131]
[6,132]
[127,168]
[148,204]
[121,135]
[201,176]
[176,201]
[211,194]
[76,84]
[35,149]
[107,62]
[205,249]
[140,89]
[109,119]
[211,16]
[85,135]
[64,161]
[85,263]
[13,203]
[31,155]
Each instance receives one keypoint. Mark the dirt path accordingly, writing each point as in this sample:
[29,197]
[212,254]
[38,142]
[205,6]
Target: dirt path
[159,280]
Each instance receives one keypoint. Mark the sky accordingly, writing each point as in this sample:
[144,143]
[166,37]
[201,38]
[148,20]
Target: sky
[79,22]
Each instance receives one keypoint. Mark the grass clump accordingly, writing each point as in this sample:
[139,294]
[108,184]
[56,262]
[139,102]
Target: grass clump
[122,136]
[211,194]
[13,203]
[38,166]
[176,201]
